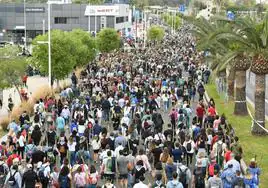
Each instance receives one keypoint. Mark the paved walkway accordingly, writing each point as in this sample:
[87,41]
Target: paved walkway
[34,83]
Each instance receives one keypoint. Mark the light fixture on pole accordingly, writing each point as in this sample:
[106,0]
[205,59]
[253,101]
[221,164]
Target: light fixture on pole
[95,23]
[49,45]
[89,19]
[25,36]
[44,27]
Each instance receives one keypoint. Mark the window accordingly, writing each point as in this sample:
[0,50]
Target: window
[126,19]
[119,20]
[60,20]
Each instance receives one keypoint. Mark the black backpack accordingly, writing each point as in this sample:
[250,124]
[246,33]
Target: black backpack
[11,179]
[3,173]
[199,179]
[183,176]
[189,146]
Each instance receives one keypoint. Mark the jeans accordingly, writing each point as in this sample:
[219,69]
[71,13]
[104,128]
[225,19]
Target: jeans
[166,106]
[72,158]
[189,158]
[106,115]
[130,180]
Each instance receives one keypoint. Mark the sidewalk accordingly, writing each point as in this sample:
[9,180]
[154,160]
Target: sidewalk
[34,83]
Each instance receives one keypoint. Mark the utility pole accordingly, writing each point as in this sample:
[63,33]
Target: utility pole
[49,47]
[25,35]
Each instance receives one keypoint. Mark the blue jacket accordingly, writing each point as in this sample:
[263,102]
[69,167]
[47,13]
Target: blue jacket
[228,177]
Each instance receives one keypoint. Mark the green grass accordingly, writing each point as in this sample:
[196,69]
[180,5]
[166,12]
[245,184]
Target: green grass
[252,145]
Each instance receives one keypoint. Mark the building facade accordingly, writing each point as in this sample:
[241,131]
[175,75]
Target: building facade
[65,17]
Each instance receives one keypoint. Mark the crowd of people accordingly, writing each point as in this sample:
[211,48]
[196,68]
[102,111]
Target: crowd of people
[131,119]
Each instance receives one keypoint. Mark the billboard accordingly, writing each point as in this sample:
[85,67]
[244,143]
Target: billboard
[102,11]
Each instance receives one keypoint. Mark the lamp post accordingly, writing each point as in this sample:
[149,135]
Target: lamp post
[49,45]
[24,14]
[89,18]
[95,23]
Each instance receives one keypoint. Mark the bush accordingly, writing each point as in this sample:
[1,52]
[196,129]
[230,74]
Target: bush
[24,106]
[42,93]
[4,123]
[28,107]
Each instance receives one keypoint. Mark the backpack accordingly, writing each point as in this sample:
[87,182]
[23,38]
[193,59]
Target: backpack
[3,173]
[219,149]
[111,164]
[211,170]
[200,180]
[173,116]
[41,174]
[62,149]
[51,157]
[181,118]
[183,176]
[189,146]
[11,179]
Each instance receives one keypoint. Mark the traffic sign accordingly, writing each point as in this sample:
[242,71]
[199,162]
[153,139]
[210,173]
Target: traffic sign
[182,8]
[230,15]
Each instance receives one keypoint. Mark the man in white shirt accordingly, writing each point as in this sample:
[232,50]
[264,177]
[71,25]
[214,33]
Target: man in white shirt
[117,149]
[235,163]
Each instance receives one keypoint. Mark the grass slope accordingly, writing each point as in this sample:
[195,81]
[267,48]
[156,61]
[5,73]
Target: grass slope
[252,145]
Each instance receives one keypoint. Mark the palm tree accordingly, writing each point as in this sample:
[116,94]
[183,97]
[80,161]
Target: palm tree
[226,54]
[252,37]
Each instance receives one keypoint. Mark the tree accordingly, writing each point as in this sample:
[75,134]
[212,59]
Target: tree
[62,54]
[11,72]
[140,4]
[108,40]
[228,54]
[84,48]
[156,33]
[252,36]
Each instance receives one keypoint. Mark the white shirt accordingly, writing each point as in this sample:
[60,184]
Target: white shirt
[140,185]
[71,147]
[125,120]
[121,102]
[120,147]
[47,170]
[21,141]
[95,144]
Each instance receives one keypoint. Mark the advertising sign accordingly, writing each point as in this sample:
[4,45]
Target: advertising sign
[102,11]
[35,9]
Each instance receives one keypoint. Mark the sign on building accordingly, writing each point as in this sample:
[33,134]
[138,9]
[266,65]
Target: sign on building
[102,11]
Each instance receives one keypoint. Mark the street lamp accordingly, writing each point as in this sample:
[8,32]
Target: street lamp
[24,14]
[49,46]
